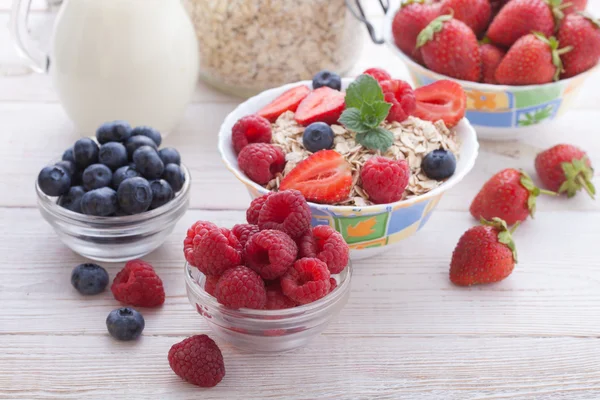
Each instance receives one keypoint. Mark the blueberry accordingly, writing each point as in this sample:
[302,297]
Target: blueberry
[148,163]
[77,178]
[54,180]
[134,195]
[72,199]
[114,131]
[68,155]
[162,193]
[135,142]
[148,132]
[89,278]
[96,176]
[123,173]
[174,176]
[100,202]
[169,155]
[317,136]
[85,152]
[113,155]
[327,78]
[125,323]
[67,166]
[439,164]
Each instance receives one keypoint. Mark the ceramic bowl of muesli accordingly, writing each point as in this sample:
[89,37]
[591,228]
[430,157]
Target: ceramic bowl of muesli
[367,227]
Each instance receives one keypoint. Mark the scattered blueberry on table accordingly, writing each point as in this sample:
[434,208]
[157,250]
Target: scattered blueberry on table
[125,323]
[121,173]
[89,278]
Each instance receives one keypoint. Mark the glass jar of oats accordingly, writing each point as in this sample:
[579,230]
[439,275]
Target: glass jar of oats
[247,46]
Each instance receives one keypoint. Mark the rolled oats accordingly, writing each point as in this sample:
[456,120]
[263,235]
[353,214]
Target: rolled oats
[413,139]
[251,45]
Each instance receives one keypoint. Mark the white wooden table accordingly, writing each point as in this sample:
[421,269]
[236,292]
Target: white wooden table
[406,332]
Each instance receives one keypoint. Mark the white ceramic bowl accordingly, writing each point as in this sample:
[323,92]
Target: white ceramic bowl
[371,229]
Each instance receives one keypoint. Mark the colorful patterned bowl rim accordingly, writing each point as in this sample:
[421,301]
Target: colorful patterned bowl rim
[389,40]
[466,161]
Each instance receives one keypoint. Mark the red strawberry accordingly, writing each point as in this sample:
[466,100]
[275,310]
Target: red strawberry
[484,254]
[582,32]
[497,6]
[322,105]
[509,195]
[409,21]
[402,97]
[533,59]
[491,56]
[475,13]
[521,17]
[450,47]
[288,101]
[566,169]
[574,6]
[444,99]
[324,177]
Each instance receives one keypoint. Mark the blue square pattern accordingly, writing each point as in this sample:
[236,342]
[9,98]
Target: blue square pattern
[537,114]
[495,119]
[402,218]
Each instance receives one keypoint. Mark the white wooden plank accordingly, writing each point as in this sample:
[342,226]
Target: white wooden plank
[35,133]
[331,367]
[554,291]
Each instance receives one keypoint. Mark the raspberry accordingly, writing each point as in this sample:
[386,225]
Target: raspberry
[333,283]
[276,300]
[243,232]
[270,253]
[138,285]
[261,162]
[250,129]
[197,360]
[198,229]
[384,179]
[255,207]
[217,251]
[331,248]
[402,97]
[306,281]
[379,74]
[210,284]
[286,211]
[241,287]
[307,245]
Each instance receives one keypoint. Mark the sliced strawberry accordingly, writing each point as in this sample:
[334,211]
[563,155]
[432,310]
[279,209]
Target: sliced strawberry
[324,177]
[443,99]
[322,105]
[288,101]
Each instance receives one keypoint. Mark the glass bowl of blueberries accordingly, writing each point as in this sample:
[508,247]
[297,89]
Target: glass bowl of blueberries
[117,197]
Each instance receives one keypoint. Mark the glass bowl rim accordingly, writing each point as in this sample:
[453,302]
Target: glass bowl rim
[262,315]
[51,205]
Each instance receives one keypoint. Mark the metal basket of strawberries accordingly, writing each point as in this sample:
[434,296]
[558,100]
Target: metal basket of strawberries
[521,62]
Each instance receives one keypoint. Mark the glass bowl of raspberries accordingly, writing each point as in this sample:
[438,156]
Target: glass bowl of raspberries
[115,197]
[519,75]
[371,159]
[271,284]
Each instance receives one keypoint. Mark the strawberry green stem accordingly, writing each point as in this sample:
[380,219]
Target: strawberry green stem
[534,192]
[504,234]
[587,186]
[434,27]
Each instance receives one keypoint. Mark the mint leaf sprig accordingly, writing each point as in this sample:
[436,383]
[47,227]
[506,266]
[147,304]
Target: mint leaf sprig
[365,110]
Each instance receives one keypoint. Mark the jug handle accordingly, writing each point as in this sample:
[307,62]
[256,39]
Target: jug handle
[37,59]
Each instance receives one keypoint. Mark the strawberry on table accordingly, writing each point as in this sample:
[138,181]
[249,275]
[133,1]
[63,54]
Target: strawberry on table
[321,105]
[287,101]
[475,13]
[521,17]
[582,32]
[509,195]
[484,254]
[533,59]
[566,169]
[491,57]
[409,21]
[324,177]
[450,47]
[443,99]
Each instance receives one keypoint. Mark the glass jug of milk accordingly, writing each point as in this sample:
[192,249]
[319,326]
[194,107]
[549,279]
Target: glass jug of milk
[133,60]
